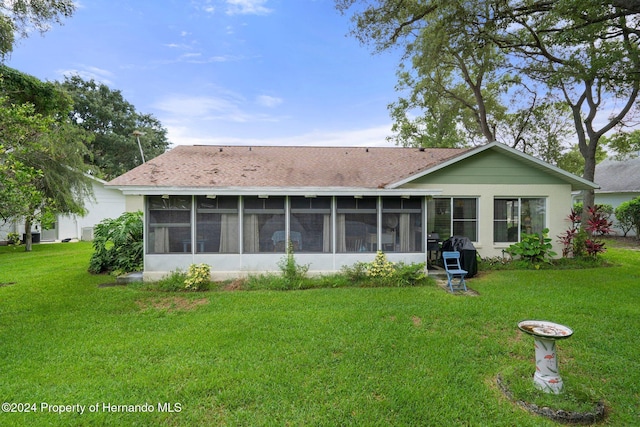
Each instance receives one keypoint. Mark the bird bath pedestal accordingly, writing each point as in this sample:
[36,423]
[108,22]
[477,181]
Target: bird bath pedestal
[545,335]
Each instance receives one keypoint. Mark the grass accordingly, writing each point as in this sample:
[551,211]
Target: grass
[343,356]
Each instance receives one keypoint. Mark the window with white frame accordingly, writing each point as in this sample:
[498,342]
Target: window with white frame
[453,216]
[516,215]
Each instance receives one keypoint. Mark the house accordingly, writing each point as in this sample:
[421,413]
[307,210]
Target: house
[235,207]
[619,182]
[106,203]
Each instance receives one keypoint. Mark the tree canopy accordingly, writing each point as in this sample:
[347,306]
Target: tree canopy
[41,167]
[112,121]
[488,57]
[18,17]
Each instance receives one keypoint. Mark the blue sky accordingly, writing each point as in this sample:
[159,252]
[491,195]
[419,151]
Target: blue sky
[259,72]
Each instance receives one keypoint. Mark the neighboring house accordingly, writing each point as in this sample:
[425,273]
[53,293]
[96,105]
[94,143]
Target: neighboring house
[235,207]
[619,182]
[106,203]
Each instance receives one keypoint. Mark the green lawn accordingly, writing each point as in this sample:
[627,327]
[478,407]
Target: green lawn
[349,356]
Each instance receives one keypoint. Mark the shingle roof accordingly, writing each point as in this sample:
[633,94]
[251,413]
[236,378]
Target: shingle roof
[283,166]
[618,176]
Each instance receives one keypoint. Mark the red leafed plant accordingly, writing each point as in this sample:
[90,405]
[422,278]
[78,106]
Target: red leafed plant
[575,242]
[598,224]
[567,239]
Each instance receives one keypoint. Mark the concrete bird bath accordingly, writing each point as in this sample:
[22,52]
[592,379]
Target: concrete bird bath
[545,335]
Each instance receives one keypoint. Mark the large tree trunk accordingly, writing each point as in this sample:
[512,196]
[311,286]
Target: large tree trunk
[588,196]
[28,239]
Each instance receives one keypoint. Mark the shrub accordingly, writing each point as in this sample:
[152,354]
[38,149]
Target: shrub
[598,223]
[117,245]
[576,242]
[355,273]
[533,248]
[13,238]
[293,273]
[629,212]
[172,283]
[624,217]
[568,239]
[198,277]
[380,268]
[382,272]
[409,274]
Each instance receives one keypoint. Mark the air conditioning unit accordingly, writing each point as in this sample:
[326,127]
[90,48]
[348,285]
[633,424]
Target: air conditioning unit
[87,233]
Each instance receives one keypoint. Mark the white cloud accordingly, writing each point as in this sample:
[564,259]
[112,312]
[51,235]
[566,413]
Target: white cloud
[268,101]
[368,137]
[247,7]
[88,72]
[202,108]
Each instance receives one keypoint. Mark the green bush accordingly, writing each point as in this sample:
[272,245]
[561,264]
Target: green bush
[409,274]
[534,248]
[13,239]
[174,282]
[293,274]
[382,272]
[628,215]
[356,273]
[118,245]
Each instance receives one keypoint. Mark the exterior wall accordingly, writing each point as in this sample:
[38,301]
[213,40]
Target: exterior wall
[134,203]
[228,266]
[558,208]
[108,203]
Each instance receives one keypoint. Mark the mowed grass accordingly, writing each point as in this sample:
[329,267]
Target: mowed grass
[349,356]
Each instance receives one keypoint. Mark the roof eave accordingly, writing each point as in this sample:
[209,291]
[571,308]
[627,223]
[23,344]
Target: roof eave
[275,191]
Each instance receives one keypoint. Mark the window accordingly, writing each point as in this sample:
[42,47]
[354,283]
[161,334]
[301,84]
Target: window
[217,228]
[356,224]
[514,216]
[264,225]
[401,225]
[169,224]
[310,224]
[456,216]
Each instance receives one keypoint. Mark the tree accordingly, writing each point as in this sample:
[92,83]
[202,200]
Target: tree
[20,16]
[623,144]
[448,69]
[112,120]
[42,172]
[540,131]
[585,53]
[19,127]
[588,52]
